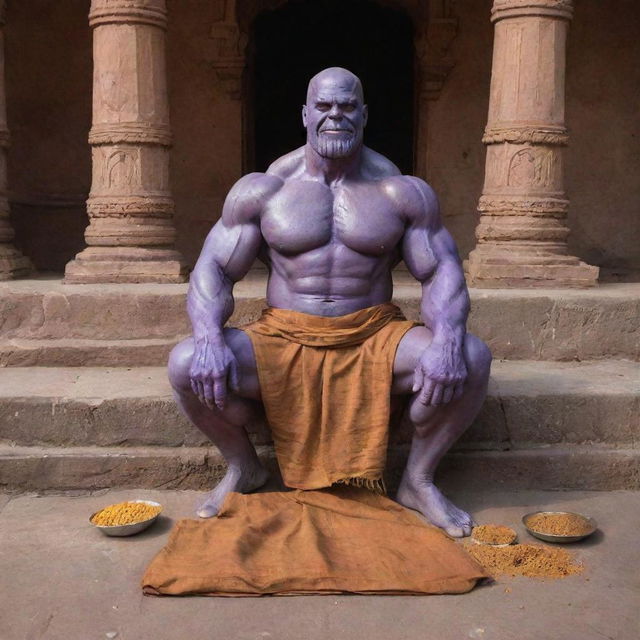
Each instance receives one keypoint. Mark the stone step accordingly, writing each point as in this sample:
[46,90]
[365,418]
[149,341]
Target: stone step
[89,468]
[525,324]
[83,352]
[529,403]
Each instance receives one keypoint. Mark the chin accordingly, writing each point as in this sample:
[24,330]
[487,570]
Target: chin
[335,148]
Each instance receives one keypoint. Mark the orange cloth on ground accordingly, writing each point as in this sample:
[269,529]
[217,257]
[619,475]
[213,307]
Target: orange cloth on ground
[326,389]
[343,539]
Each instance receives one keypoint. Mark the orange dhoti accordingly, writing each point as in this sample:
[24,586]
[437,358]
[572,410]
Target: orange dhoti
[326,389]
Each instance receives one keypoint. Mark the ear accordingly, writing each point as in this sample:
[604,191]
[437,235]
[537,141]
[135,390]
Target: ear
[365,115]
[304,115]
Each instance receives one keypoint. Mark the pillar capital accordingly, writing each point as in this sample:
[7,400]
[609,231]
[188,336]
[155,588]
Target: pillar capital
[503,9]
[147,12]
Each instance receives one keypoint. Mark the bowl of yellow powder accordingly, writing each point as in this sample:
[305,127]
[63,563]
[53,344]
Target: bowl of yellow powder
[126,518]
[559,526]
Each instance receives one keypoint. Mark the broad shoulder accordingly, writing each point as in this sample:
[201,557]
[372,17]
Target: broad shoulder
[375,166]
[415,198]
[289,165]
[248,196]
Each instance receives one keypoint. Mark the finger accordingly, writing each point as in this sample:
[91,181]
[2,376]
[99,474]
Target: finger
[194,386]
[425,393]
[418,379]
[209,395]
[200,391]
[436,396]
[458,390]
[220,391]
[447,394]
[234,375]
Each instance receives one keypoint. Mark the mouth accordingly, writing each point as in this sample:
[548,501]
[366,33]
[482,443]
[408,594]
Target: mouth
[336,131]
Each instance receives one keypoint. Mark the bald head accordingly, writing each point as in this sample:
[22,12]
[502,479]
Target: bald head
[335,77]
[335,113]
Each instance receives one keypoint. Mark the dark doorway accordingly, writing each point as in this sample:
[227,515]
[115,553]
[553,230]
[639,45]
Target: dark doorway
[293,43]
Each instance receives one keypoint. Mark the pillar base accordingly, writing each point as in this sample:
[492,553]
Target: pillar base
[126,264]
[13,264]
[566,271]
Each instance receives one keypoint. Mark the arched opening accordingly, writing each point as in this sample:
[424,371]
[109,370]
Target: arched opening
[295,41]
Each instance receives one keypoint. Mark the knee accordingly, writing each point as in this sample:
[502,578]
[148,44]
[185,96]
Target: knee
[179,365]
[478,357]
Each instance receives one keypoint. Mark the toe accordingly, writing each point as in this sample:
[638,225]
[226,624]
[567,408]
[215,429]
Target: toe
[207,511]
[454,532]
[467,530]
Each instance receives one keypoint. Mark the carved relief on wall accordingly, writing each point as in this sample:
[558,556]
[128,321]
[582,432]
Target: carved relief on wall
[229,58]
[433,43]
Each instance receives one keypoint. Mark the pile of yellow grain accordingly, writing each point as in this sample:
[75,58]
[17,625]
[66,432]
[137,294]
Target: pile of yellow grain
[124,513]
[493,534]
[559,524]
[529,560]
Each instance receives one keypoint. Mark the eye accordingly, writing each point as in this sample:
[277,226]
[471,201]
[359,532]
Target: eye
[349,108]
[323,106]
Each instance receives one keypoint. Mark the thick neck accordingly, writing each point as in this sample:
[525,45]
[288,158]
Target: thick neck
[332,170]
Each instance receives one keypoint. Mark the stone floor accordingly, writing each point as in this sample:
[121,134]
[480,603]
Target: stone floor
[61,579]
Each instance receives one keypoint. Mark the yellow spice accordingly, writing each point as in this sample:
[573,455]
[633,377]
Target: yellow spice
[124,513]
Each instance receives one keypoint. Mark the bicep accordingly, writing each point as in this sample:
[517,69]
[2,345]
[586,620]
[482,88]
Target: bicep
[426,242]
[234,242]
[231,247]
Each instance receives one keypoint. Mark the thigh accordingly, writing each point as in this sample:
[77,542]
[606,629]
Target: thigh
[240,343]
[413,343]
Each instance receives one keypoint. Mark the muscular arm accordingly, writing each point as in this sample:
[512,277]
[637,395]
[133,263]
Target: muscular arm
[432,258]
[229,251]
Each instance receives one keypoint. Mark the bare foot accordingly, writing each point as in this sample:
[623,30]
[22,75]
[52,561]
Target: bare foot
[426,498]
[240,480]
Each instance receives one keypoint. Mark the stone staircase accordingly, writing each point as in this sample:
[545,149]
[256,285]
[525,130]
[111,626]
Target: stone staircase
[85,404]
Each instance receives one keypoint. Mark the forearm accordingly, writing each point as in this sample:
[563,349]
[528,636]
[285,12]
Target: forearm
[445,303]
[209,300]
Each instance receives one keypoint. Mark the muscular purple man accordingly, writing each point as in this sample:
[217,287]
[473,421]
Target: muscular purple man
[333,218]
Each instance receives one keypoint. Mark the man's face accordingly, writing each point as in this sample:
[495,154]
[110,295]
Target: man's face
[334,116]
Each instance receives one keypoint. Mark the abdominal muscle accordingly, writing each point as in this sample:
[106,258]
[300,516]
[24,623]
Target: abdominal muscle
[328,285]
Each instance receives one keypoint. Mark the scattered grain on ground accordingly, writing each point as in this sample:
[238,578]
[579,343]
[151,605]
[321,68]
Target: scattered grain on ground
[533,561]
[493,534]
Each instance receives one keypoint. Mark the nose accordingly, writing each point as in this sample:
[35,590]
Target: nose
[335,113]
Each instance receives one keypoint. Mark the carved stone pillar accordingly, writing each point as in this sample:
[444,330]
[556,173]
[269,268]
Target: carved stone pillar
[522,235]
[130,233]
[12,263]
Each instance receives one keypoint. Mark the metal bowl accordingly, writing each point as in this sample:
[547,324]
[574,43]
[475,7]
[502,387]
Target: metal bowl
[548,537]
[127,529]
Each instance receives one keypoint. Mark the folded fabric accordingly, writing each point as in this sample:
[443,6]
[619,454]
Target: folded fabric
[338,540]
[326,387]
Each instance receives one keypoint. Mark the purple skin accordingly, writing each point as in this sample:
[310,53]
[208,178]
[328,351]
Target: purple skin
[332,219]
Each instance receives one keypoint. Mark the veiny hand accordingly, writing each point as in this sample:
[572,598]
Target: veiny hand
[212,368]
[440,374]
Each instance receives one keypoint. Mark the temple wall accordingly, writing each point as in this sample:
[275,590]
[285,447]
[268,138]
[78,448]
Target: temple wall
[206,120]
[48,54]
[48,79]
[603,158]
[455,154]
